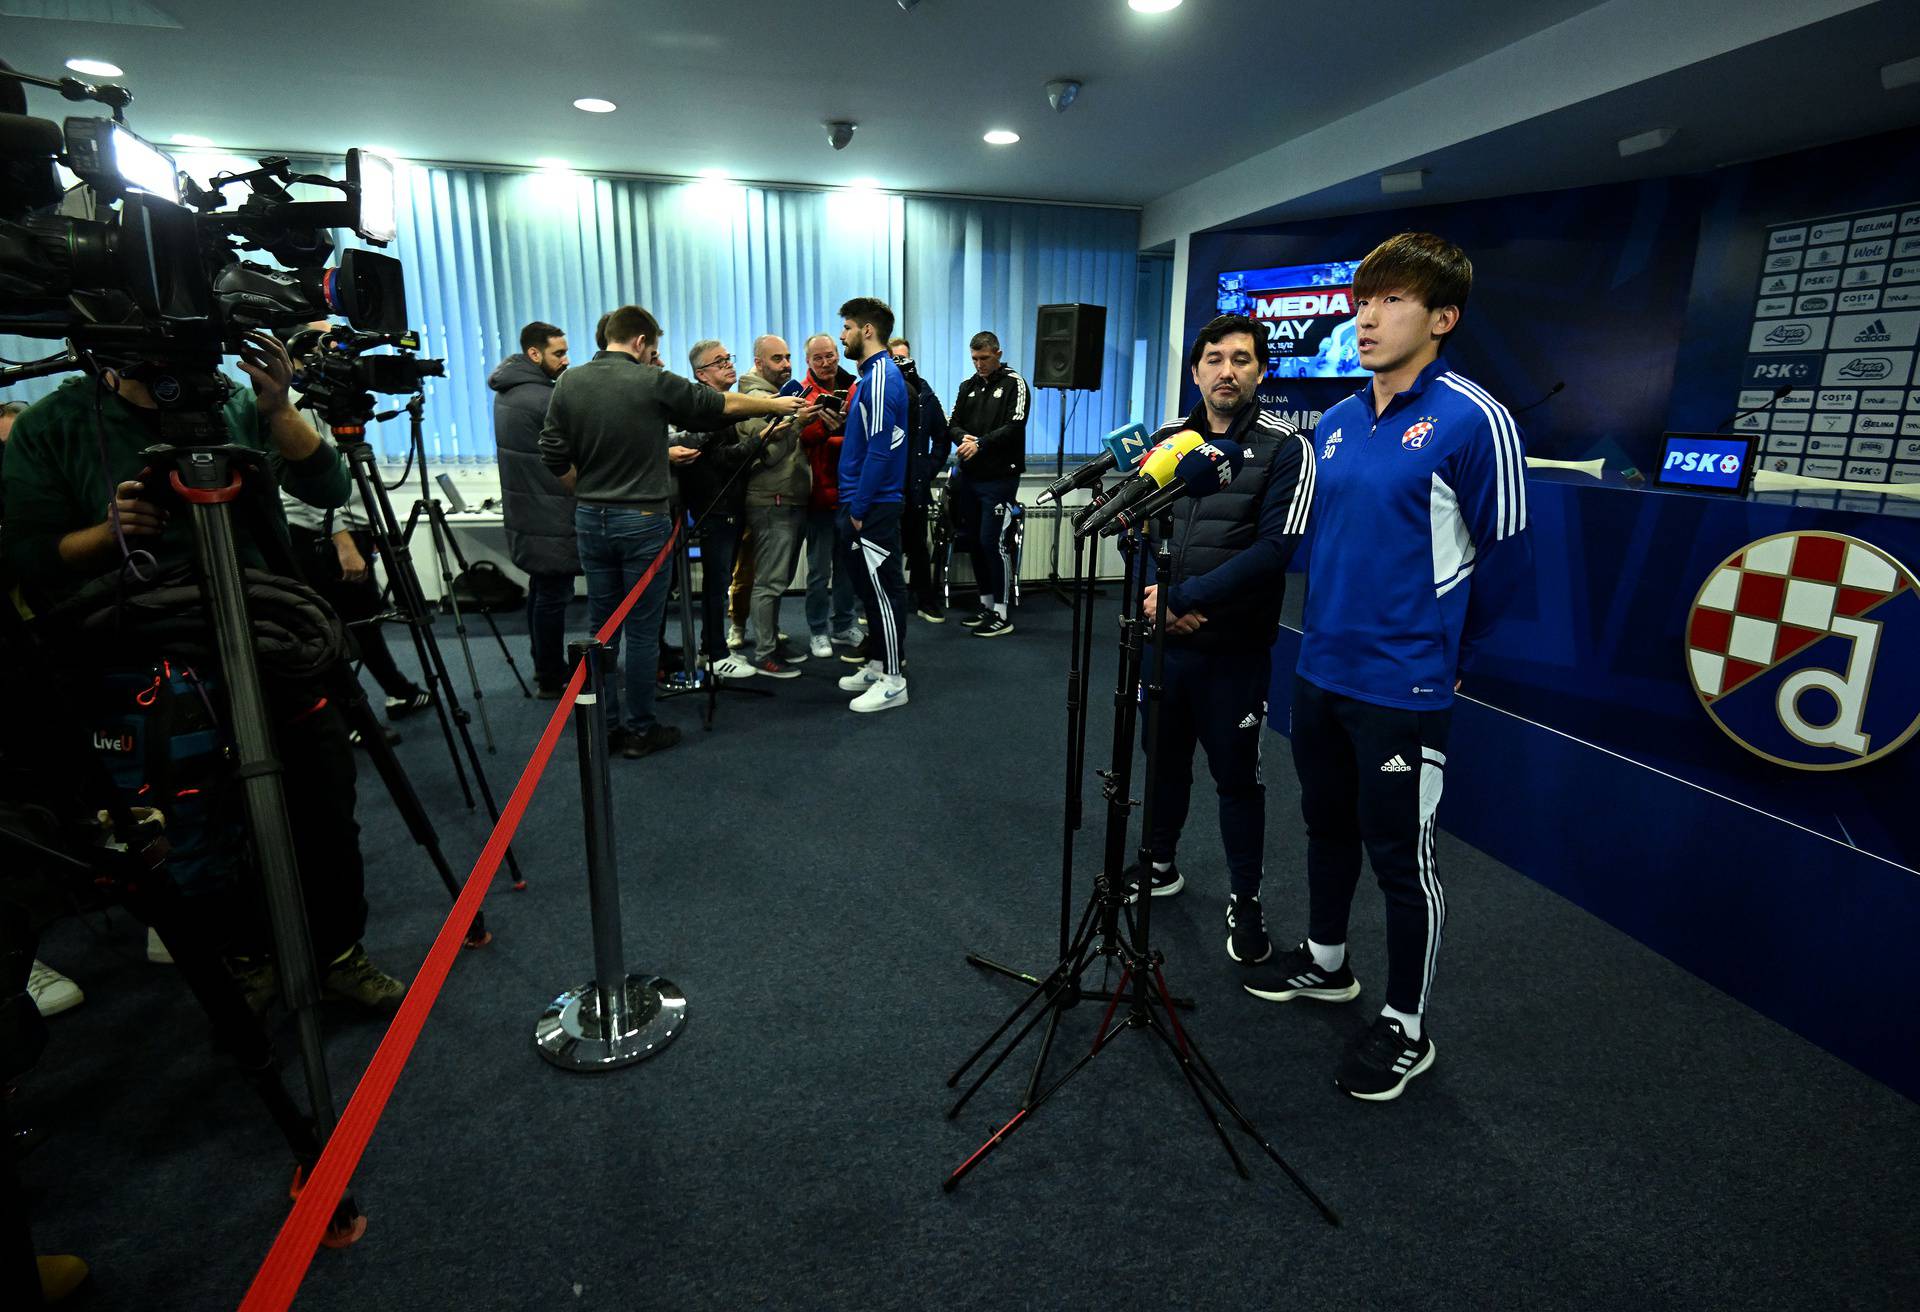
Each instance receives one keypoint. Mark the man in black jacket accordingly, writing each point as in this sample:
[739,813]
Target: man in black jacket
[927,454]
[989,432]
[1230,554]
[713,470]
[537,509]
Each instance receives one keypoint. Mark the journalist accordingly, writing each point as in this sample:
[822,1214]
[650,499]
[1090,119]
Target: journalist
[538,511]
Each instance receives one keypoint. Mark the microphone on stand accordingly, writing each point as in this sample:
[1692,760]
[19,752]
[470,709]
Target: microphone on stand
[1155,472]
[1199,473]
[1125,449]
[1738,415]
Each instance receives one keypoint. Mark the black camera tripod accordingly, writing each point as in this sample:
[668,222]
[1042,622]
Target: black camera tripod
[346,418]
[696,673]
[1101,937]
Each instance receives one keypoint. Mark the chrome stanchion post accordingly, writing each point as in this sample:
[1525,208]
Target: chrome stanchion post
[615,1019]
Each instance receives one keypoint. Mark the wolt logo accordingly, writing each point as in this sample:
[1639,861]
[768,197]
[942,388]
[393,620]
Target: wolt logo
[1801,646]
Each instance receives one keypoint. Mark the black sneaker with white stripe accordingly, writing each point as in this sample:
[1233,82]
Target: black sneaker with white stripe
[1247,941]
[1165,882]
[978,618]
[994,626]
[1382,1062]
[1294,974]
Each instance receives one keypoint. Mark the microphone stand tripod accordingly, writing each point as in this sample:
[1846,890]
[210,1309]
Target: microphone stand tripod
[444,545]
[1143,981]
[692,677]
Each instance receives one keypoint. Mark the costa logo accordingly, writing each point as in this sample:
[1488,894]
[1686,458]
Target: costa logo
[1417,434]
[1801,646]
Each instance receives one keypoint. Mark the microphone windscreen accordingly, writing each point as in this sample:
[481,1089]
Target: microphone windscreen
[792,387]
[1127,446]
[1165,458]
[1206,469]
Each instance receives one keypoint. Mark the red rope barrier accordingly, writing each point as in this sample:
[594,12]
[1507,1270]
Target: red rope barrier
[278,1279]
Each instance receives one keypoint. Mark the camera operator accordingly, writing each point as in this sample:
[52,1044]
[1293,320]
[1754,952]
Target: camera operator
[989,432]
[1230,554]
[606,439]
[77,506]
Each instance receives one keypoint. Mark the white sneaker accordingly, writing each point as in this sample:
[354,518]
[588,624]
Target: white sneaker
[863,678]
[52,992]
[820,645]
[887,692]
[850,637]
[156,950]
[736,637]
[732,667]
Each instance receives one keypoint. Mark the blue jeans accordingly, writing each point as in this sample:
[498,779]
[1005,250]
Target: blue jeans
[719,544]
[616,547]
[547,598]
[823,545]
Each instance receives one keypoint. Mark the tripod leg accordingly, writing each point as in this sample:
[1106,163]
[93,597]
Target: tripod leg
[1067,970]
[1020,1116]
[1046,1050]
[1199,1096]
[437,526]
[453,545]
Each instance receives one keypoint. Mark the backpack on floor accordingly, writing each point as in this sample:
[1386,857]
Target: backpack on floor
[484,586]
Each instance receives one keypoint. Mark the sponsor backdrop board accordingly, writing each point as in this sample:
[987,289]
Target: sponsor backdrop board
[1836,322]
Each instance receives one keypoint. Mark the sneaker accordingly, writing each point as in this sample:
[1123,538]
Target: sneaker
[860,653]
[617,741]
[882,695]
[863,678]
[931,614]
[359,739]
[775,668]
[549,690]
[994,626]
[259,982]
[1165,882]
[648,741]
[979,617]
[1295,975]
[354,978]
[736,637]
[1247,941]
[790,654]
[732,667]
[156,949]
[820,645]
[399,708]
[52,992]
[1378,1067]
[851,636]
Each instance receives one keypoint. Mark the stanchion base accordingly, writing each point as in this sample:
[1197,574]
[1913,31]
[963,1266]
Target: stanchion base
[568,1033]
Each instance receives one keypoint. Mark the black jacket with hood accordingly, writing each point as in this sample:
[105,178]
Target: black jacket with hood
[538,511]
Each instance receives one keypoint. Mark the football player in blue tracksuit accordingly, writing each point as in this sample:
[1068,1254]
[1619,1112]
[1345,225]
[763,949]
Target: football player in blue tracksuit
[1420,517]
[873,482]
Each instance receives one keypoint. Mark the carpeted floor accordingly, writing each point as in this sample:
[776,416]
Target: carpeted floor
[1600,1129]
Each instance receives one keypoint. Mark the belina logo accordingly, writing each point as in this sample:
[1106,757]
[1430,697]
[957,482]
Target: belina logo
[1417,434]
[1803,647]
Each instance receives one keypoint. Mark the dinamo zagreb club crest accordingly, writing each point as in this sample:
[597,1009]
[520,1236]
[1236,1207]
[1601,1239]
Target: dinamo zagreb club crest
[1805,648]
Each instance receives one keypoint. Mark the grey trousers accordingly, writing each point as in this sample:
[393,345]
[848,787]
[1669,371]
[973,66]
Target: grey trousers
[775,538]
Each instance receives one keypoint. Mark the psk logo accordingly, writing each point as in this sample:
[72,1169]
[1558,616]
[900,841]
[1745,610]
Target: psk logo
[1332,441]
[1417,434]
[1803,646]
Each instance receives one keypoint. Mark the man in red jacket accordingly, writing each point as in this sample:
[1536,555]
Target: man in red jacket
[829,590]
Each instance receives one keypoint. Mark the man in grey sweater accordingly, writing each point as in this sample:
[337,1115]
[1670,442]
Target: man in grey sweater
[776,505]
[605,437]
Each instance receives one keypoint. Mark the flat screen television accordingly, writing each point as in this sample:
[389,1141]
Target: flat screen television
[1308,310]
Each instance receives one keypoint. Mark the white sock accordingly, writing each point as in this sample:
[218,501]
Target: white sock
[1163,866]
[986,602]
[1001,610]
[896,680]
[1411,1024]
[1325,957]
[875,667]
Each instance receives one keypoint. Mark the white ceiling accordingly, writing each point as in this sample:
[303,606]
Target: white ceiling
[745,85]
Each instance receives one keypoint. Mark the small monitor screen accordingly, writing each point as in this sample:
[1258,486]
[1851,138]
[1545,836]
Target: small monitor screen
[1706,462]
[1308,311]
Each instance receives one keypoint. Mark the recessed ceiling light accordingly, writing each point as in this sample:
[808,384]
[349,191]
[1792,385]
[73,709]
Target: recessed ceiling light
[553,164]
[190,139]
[1152,6]
[95,67]
[1001,137]
[595,105]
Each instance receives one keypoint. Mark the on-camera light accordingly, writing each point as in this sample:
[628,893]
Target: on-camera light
[372,177]
[108,155]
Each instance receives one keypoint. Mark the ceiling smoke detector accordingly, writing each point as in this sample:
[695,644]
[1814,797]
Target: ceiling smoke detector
[1061,93]
[840,132]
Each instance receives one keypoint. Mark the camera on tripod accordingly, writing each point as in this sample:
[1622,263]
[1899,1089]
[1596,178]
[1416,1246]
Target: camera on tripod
[140,262]
[337,376]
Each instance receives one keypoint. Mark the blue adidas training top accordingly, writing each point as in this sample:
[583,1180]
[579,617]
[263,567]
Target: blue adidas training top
[873,455]
[1411,508]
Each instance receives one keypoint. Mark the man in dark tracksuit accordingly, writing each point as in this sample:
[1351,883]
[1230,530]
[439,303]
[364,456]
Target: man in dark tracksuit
[537,510]
[1420,535]
[989,432]
[929,447]
[712,472]
[1230,554]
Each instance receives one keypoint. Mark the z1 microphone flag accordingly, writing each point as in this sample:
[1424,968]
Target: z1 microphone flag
[1123,449]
